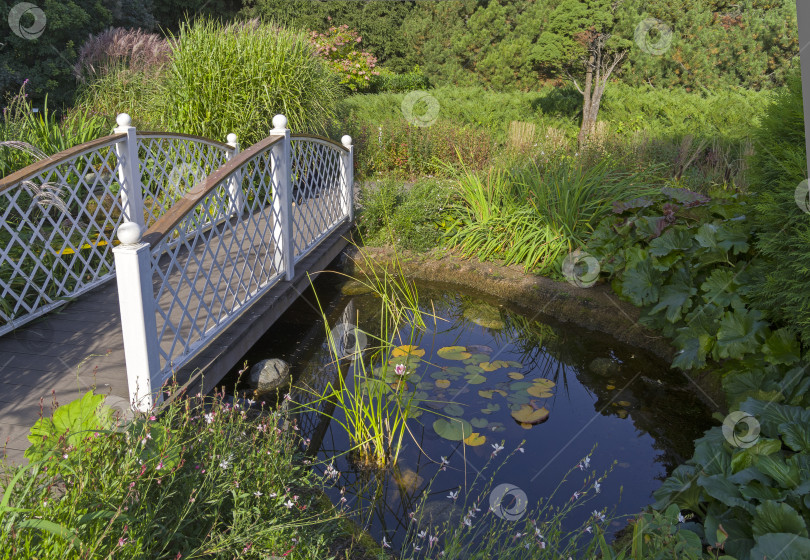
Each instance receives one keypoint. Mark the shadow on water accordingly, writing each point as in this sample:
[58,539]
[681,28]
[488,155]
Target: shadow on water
[641,415]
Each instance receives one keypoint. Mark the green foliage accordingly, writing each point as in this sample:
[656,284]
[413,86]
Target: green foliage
[386,81]
[656,536]
[718,44]
[339,47]
[70,426]
[47,60]
[535,215]
[779,165]
[410,218]
[751,499]
[202,479]
[43,130]
[685,259]
[378,22]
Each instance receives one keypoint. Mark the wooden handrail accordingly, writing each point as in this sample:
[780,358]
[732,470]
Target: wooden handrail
[166,223]
[324,139]
[157,134]
[38,166]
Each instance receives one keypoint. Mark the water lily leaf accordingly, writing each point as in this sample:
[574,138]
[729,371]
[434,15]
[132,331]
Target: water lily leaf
[453,409]
[487,394]
[442,383]
[621,413]
[548,383]
[475,378]
[520,385]
[492,366]
[528,415]
[400,385]
[479,423]
[518,398]
[514,364]
[610,387]
[539,391]
[475,439]
[424,385]
[526,425]
[473,369]
[477,359]
[490,408]
[407,349]
[515,375]
[623,403]
[454,429]
[480,349]
[453,353]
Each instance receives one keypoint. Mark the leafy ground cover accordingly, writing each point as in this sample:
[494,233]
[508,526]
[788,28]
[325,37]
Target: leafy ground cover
[203,479]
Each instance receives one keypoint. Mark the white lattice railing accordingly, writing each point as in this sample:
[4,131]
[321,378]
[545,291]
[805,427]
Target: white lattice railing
[319,173]
[226,242]
[58,216]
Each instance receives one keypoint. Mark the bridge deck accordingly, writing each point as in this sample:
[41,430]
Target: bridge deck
[79,346]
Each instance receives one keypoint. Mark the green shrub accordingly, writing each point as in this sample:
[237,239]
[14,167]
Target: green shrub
[410,218]
[779,165]
[353,67]
[387,81]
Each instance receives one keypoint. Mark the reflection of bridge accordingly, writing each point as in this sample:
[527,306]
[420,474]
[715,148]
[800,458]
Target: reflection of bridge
[210,245]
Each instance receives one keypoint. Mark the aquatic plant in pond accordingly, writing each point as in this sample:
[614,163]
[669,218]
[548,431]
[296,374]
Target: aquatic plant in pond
[376,404]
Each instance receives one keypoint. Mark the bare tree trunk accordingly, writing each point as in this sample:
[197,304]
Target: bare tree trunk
[598,69]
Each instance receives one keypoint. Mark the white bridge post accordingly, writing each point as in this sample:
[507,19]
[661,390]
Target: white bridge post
[282,198]
[128,172]
[347,173]
[136,299]
[235,195]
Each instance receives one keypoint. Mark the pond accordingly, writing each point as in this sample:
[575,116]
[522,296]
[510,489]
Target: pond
[514,379]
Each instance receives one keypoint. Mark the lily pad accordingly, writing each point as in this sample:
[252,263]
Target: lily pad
[480,349]
[622,413]
[547,383]
[487,393]
[475,378]
[515,375]
[490,408]
[473,369]
[475,439]
[528,415]
[610,387]
[479,423]
[492,366]
[453,409]
[425,385]
[526,425]
[477,358]
[452,429]
[520,385]
[453,353]
[539,391]
[407,349]
[623,403]
[442,383]
[518,398]
[514,364]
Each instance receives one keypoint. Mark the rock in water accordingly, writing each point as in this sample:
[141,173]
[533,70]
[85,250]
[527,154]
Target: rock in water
[269,375]
[603,366]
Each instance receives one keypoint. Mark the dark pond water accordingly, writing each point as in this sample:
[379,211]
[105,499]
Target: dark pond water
[640,416]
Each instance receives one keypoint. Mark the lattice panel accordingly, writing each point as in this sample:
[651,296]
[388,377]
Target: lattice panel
[319,195]
[171,166]
[56,234]
[207,272]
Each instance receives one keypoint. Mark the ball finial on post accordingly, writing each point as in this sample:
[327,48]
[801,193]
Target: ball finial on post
[346,141]
[279,122]
[129,233]
[123,119]
[231,139]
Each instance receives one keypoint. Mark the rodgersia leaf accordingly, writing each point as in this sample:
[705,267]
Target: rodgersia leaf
[740,331]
